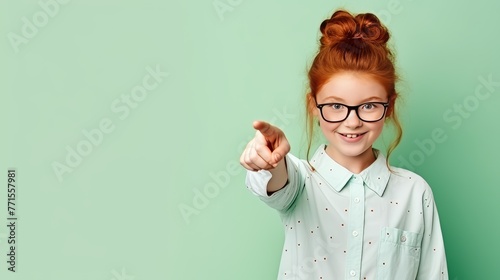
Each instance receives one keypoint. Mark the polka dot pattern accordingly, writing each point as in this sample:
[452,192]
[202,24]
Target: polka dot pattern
[339,218]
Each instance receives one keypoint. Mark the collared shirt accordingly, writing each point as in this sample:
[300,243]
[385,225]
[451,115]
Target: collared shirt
[376,224]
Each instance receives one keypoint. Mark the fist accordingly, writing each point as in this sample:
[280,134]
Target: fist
[266,149]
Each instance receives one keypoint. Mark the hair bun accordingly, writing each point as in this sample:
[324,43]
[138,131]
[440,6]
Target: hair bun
[343,26]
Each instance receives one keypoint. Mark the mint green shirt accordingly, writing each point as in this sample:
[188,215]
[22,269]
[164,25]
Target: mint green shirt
[339,225]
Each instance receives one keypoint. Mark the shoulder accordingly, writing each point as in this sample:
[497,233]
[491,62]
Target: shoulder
[406,179]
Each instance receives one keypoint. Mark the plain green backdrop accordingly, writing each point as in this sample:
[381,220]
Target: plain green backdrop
[125,122]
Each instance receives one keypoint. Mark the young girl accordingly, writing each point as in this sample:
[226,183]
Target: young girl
[347,214]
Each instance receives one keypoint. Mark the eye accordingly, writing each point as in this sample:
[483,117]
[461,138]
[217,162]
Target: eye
[337,106]
[369,106]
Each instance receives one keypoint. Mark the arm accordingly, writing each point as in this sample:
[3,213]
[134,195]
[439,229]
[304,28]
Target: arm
[288,190]
[279,177]
[273,174]
[432,257]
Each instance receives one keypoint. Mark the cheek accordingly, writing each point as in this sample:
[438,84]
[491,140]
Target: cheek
[327,127]
[377,127]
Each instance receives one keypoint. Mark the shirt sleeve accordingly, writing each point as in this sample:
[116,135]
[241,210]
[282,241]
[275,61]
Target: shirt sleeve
[283,199]
[432,258]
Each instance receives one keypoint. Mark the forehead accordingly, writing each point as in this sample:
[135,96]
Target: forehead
[351,88]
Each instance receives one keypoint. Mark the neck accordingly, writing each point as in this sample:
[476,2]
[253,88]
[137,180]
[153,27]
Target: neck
[355,164]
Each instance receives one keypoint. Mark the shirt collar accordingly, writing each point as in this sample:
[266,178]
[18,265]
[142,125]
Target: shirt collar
[376,176]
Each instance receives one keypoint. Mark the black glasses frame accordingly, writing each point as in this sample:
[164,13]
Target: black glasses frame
[350,108]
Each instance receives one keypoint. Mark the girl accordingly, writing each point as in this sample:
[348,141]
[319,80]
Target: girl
[347,214]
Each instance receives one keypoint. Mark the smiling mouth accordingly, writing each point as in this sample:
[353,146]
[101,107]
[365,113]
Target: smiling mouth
[351,135]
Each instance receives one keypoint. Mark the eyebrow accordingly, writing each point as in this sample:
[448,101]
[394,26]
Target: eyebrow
[338,99]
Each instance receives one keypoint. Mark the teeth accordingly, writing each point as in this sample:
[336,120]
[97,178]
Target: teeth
[351,135]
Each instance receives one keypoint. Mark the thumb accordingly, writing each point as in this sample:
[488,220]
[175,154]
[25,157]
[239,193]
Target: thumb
[280,152]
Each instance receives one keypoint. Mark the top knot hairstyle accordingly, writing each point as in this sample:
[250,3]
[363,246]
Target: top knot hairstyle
[353,43]
[342,27]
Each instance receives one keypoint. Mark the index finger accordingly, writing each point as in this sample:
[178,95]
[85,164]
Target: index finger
[264,128]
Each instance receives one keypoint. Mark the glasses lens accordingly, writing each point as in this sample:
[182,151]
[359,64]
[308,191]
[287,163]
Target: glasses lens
[334,112]
[371,111]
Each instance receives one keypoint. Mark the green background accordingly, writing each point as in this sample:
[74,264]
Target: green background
[116,213]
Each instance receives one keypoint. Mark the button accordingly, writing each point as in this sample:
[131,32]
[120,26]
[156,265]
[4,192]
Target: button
[354,233]
[403,238]
[353,273]
[356,200]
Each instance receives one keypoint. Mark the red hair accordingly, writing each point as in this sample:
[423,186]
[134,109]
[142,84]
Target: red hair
[353,43]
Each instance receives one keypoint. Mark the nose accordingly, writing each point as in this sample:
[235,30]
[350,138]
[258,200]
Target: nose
[353,120]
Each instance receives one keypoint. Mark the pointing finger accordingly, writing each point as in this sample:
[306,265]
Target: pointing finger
[265,128]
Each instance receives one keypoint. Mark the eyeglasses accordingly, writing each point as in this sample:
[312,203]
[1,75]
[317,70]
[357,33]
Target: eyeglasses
[367,112]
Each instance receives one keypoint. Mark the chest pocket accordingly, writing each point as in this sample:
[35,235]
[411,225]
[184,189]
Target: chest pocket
[399,254]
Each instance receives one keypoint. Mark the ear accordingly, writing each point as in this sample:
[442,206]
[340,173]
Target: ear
[311,104]
[392,103]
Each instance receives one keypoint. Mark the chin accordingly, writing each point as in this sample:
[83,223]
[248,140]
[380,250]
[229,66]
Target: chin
[350,151]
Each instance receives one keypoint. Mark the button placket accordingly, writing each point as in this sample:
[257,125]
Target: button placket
[356,227]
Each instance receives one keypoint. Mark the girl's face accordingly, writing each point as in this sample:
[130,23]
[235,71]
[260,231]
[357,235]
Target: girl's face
[351,139]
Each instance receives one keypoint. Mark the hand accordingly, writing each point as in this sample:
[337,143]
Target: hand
[266,149]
